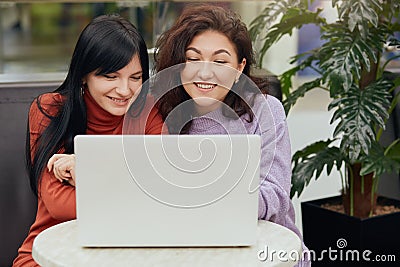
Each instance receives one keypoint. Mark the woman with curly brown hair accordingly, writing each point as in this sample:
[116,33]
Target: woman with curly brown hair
[208,54]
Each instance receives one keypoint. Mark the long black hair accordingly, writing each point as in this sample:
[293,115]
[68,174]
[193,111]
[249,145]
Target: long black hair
[106,45]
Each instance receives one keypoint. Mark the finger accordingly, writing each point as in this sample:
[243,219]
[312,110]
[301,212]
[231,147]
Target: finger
[71,182]
[73,173]
[53,159]
[58,171]
[63,167]
[65,174]
[66,164]
[57,174]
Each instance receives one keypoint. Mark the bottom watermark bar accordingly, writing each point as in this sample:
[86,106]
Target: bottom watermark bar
[332,254]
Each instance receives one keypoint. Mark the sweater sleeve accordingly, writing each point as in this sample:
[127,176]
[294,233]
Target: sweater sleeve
[275,165]
[275,169]
[58,198]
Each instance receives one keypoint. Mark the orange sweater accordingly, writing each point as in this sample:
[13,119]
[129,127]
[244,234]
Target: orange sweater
[56,201]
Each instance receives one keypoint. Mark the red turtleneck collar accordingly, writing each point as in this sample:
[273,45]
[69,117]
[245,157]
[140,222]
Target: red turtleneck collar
[100,121]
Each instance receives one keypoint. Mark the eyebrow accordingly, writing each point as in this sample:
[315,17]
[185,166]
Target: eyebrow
[220,51]
[138,72]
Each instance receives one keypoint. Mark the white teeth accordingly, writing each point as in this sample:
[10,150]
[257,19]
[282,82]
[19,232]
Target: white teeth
[205,86]
[118,100]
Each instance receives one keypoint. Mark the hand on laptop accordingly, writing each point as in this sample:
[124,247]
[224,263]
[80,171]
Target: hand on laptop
[63,166]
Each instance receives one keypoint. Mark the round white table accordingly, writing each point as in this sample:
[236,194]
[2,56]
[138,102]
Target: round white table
[58,246]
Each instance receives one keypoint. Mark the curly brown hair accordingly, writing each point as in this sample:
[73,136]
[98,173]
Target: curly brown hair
[170,51]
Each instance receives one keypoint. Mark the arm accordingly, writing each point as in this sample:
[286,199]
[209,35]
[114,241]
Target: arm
[275,166]
[58,198]
[275,169]
[275,175]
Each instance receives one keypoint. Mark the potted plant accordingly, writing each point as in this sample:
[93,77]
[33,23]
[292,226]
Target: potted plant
[351,64]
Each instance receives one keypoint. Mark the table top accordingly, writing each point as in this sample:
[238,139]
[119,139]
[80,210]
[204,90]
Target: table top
[58,246]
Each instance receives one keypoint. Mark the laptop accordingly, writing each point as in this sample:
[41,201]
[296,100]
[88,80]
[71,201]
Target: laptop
[167,190]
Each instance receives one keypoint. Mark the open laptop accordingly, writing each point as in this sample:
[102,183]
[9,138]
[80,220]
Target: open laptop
[167,190]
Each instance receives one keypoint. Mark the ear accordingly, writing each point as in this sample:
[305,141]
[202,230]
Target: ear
[240,68]
[242,65]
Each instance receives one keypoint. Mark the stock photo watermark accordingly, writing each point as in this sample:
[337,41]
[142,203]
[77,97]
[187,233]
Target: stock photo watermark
[339,253]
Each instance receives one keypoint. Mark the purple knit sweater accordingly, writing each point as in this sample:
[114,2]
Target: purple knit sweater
[275,166]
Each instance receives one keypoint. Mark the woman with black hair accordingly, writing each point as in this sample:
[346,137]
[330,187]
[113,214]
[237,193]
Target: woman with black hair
[108,67]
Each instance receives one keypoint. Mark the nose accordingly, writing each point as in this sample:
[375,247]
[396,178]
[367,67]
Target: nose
[205,70]
[123,88]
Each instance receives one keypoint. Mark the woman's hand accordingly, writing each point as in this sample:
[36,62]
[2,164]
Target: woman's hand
[63,166]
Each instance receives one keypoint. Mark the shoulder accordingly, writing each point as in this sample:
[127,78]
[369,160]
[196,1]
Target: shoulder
[262,100]
[268,104]
[48,104]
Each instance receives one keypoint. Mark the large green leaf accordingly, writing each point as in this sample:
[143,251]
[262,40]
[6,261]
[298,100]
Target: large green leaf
[311,161]
[260,25]
[292,19]
[346,54]
[359,112]
[291,99]
[268,15]
[306,60]
[358,13]
[380,161]
[391,9]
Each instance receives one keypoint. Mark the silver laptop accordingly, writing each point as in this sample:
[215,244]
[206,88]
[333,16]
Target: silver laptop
[167,190]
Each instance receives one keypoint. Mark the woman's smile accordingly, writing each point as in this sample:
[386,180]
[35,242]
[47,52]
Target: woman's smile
[119,101]
[204,86]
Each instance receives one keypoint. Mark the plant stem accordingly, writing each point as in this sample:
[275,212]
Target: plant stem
[343,181]
[373,190]
[390,146]
[351,191]
[362,185]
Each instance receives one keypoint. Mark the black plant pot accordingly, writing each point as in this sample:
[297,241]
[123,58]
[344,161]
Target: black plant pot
[336,239]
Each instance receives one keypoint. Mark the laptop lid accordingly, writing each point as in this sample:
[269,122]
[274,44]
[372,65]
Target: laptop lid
[167,190]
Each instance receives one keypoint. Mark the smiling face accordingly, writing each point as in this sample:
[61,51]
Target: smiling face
[212,66]
[115,91]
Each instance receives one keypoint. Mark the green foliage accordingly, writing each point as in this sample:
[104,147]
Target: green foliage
[300,92]
[351,67]
[311,161]
[358,13]
[294,14]
[293,18]
[381,161]
[359,112]
[346,54]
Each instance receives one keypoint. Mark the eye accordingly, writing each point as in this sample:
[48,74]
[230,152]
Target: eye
[109,76]
[136,78]
[220,61]
[191,59]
